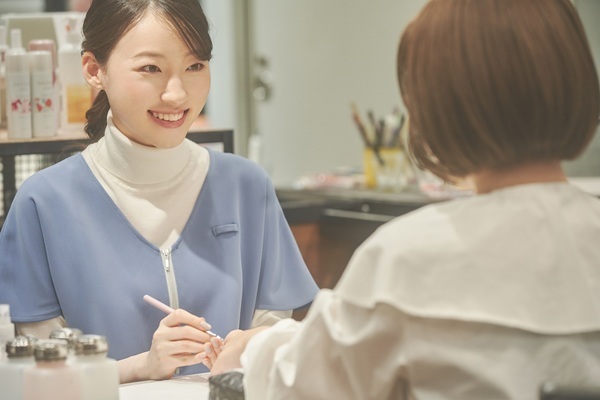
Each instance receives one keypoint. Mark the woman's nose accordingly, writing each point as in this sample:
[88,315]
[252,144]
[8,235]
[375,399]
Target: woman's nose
[174,93]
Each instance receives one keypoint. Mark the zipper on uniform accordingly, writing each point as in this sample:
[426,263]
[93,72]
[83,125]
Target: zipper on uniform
[167,259]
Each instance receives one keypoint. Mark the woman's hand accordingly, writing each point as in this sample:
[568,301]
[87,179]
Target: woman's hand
[178,342]
[227,357]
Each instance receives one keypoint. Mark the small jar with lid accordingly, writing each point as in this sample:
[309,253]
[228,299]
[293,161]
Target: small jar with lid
[99,373]
[19,353]
[70,335]
[51,378]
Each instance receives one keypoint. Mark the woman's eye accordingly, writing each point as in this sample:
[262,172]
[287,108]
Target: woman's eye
[150,68]
[196,67]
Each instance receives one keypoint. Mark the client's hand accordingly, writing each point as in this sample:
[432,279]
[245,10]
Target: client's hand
[227,357]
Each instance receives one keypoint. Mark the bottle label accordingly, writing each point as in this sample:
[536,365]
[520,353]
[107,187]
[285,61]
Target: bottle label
[18,96]
[42,90]
[18,104]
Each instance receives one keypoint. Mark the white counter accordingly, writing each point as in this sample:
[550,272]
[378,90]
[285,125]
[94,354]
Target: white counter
[189,387]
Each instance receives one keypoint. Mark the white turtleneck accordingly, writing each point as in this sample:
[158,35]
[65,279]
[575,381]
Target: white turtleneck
[155,189]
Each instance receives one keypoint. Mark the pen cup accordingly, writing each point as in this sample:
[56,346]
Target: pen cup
[387,169]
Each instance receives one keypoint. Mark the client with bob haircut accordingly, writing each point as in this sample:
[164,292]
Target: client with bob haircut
[484,297]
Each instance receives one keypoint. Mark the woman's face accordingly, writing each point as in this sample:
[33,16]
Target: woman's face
[155,85]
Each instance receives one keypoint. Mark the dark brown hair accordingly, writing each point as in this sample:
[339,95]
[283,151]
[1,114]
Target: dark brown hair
[497,83]
[107,21]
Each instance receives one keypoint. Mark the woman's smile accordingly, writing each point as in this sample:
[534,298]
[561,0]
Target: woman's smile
[169,120]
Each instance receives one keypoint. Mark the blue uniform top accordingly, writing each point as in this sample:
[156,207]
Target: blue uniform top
[66,249]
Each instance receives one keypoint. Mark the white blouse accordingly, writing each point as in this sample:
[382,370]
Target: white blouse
[478,298]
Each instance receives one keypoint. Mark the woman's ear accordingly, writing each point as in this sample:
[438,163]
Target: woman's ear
[91,70]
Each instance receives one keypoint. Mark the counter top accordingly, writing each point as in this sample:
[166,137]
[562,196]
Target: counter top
[189,387]
[307,206]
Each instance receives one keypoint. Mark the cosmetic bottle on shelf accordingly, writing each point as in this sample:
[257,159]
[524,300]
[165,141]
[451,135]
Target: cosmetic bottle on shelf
[44,108]
[3,50]
[18,88]
[54,103]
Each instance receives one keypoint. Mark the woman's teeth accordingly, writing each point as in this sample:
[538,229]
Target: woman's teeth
[168,117]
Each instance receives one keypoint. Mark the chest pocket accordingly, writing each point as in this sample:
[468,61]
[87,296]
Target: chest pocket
[227,229]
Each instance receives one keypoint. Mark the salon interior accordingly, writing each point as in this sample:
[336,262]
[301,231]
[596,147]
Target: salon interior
[299,89]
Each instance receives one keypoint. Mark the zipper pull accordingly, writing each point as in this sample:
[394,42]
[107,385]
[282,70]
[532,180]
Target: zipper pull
[166,258]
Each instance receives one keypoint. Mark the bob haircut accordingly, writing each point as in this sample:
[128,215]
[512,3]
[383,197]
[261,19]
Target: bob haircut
[107,21]
[493,84]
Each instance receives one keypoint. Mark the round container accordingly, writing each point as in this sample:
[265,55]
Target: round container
[91,344]
[19,347]
[51,350]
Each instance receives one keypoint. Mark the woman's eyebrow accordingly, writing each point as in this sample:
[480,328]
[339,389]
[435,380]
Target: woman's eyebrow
[149,54]
[157,55]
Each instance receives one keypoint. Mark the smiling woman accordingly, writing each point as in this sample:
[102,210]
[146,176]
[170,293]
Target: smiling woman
[171,81]
[143,210]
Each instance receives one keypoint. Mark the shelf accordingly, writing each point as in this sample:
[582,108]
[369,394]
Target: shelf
[60,143]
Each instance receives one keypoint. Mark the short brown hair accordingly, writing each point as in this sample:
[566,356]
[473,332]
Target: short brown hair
[497,83]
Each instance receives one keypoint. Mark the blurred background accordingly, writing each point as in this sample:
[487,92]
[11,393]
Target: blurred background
[285,73]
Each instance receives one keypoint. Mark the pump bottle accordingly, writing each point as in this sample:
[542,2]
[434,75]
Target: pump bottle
[42,94]
[54,103]
[18,88]
[3,50]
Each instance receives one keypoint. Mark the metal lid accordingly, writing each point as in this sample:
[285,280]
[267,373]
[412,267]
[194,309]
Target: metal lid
[33,339]
[21,346]
[91,344]
[51,350]
[69,334]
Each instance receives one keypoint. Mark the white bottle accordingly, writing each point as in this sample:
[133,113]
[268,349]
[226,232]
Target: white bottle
[3,50]
[20,356]
[51,378]
[18,88]
[99,374]
[42,94]
[7,329]
[49,45]
[76,93]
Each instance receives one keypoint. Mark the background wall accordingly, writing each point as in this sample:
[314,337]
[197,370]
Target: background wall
[228,104]
[589,163]
[323,55]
